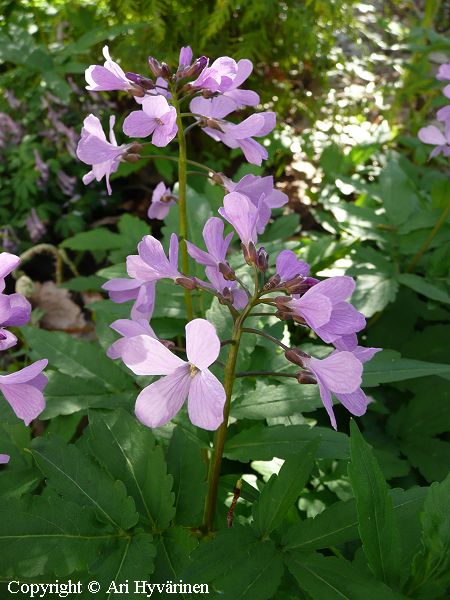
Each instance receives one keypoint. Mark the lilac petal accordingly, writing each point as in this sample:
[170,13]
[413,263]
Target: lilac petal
[20,311]
[335,288]
[243,97]
[4,459]
[8,262]
[365,354]
[443,114]
[185,56]
[431,135]
[7,339]
[276,199]
[173,252]
[289,266]
[356,402]
[92,126]
[159,210]
[340,372]
[138,269]
[155,106]
[159,402]
[92,150]
[244,70]
[138,124]
[253,151]
[26,401]
[102,79]
[200,256]
[159,192]
[128,329]
[240,299]
[247,128]
[444,72]
[5,308]
[345,319]
[270,121]
[346,342]
[206,401]
[201,106]
[146,356]
[202,343]
[25,375]
[145,302]
[446,91]
[88,178]
[213,236]
[242,214]
[164,134]
[327,402]
[122,289]
[315,310]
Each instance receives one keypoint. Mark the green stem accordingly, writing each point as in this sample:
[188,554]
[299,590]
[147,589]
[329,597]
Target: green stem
[182,210]
[415,259]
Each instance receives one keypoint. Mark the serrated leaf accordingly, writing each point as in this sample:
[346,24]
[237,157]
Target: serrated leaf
[330,578]
[129,452]
[263,443]
[282,490]
[189,472]
[377,524]
[174,548]
[48,536]
[237,565]
[77,478]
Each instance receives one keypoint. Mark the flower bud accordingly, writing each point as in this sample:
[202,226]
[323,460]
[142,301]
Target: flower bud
[262,260]
[168,344]
[249,253]
[306,377]
[186,282]
[213,124]
[165,71]
[296,356]
[155,67]
[194,70]
[208,94]
[131,158]
[217,178]
[273,283]
[227,272]
[140,80]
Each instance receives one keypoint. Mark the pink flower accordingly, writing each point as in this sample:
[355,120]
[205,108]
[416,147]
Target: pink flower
[128,328]
[243,216]
[162,200]
[325,309]
[159,402]
[242,97]
[23,390]
[107,78]
[152,264]
[122,290]
[436,137]
[215,243]
[261,191]
[339,374]
[94,149]
[289,266]
[234,136]
[156,118]
[219,76]
[8,262]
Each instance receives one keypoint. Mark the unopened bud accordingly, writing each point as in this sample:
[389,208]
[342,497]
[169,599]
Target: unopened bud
[193,70]
[218,178]
[186,282]
[227,272]
[140,80]
[262,260]
[208,94]
[131,158]
[273,283]
[165,71]
[305,377]
[213,124]
[227,294]
[249,253]
[155,67]
[296,356]
[168,344]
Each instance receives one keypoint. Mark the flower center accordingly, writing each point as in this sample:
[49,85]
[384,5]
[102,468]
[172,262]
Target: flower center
[159,121]
[193,370]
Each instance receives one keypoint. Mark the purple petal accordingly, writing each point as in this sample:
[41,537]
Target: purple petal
[122,290]
[346,342]
[4,459]
[213,236]
[365,354]
[327,402]
[206,401]
[315,310]
[7,339]
[159,210]
[20,310]
[146,356]
[26,401]
[443,73]
[244,70]
[156,106]
[270,121]
[289,266]
[185,56]
[356,402]
[145,302]
[101,79]
[202,343]
[159,402]
[242,214]
[246,129]
[25,375]
[243,97]
[335,288]
[138,124]
[200,256]
[253,151]
[8,262]
[431,135]
[340,373]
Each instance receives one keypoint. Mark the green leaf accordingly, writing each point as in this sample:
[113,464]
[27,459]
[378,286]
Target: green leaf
[388,366]
[374,292]
[338,523]
[78,359]
[431,566]
[237,565]
[263,443]
[424,287]
[377,524]
[189,472]
[397,192]
[128,450]
[79,479]
[330,578]
[96,239]
[48,536]
[282,490]
[174,548]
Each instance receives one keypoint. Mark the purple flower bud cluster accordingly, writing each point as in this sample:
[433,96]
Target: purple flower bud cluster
[214,92]
[439,136]
[23,390]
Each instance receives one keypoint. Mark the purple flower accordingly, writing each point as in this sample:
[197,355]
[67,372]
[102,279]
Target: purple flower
[185,57]
[444,75]
[215,243]
[93,149]
[434,136]
[350,343]
[242,97]
[151,263]
[41,167]
[159,402]
[162,200]
[107,78]
[14,309]
[35,226]
[324,308]
[156,118]
[339,374]
[4,459]
[289,266]
[219,76]
[128,328]
[228,289]
[8,262]
[234,136]
[261,191]
[143,293]
[243,216]
[23,390]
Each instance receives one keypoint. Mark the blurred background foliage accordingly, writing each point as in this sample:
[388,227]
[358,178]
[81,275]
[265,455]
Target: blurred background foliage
[351,82]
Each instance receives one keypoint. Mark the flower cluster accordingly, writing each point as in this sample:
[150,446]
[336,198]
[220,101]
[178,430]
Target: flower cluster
[432,134]
[320,305]
[22,389]
[214,91]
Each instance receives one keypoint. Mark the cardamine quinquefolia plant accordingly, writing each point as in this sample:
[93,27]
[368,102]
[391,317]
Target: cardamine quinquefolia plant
[282,288]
